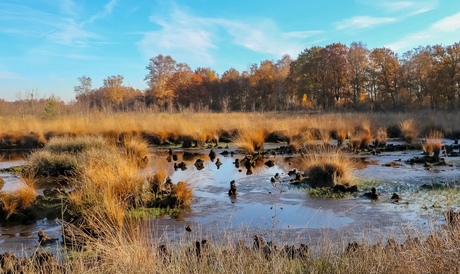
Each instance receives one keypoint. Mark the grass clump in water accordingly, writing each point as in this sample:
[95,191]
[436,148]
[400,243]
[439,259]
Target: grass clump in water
[409,131]
[15,203]
[326,167]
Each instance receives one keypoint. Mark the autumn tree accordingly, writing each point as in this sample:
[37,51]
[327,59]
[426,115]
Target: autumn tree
[358,64]
[83,90]
[161,69]
[385,67]
[309,74]
[262,82]
[114,89]
[282,91]
[232,94]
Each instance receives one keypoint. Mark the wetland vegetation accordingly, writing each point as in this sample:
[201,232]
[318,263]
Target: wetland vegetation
[104,178]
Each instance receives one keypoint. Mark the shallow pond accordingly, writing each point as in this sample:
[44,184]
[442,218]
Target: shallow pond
[281,211]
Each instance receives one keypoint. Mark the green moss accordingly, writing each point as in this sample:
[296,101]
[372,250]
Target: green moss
[142,212]
[327,192]
[12,169]
[368,184]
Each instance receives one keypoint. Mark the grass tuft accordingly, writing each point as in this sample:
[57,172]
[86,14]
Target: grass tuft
[327,167]
[250,140]
[408,130]
[432,145]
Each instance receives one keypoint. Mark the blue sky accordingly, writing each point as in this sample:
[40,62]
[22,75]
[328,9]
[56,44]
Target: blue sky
[47,44]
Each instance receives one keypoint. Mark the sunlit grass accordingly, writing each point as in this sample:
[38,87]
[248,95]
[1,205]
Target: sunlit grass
[432,145]
[327,167]
[409,130]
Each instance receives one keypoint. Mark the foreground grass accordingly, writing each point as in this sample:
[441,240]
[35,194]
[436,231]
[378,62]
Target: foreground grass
[127,250]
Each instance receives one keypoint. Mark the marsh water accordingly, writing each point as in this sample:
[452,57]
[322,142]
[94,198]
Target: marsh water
[280,210]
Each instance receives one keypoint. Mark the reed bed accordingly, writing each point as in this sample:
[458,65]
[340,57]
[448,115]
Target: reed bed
[207,127]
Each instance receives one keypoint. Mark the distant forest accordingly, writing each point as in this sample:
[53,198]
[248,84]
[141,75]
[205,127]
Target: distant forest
[331,78]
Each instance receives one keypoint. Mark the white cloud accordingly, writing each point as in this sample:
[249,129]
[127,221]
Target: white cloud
[180,32]
[401,8]
[411,7]
[71,33]
[362,22]
[194,38]
[445,30]
[9,75]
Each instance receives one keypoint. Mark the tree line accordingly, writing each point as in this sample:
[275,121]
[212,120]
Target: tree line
[334,77]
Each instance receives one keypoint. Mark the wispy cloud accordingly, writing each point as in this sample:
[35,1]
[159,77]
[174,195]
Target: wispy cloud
[362,22]
[180,32]
[445,30]
[9,75]
[69,32]
[411,7]
[108,8]
[184,35]
[62,27]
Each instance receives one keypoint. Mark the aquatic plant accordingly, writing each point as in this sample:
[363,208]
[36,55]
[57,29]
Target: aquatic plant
[381,137]
[327,192]
[183,194]
[250,140]
[156,181]
[326,167]
[408,130]
[432,145]
[15,202]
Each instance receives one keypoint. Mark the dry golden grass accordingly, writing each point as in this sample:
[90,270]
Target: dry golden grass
[183,193]
[75,144]
[409,131]
[381,137]
[250,140]
[109,183]
[432,145]
[156,181]
[22,198]
[126,249]
[136,150]
[341,135]
[209,126]
[326,167]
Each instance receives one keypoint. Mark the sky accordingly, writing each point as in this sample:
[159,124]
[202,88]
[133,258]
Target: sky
[45,45]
